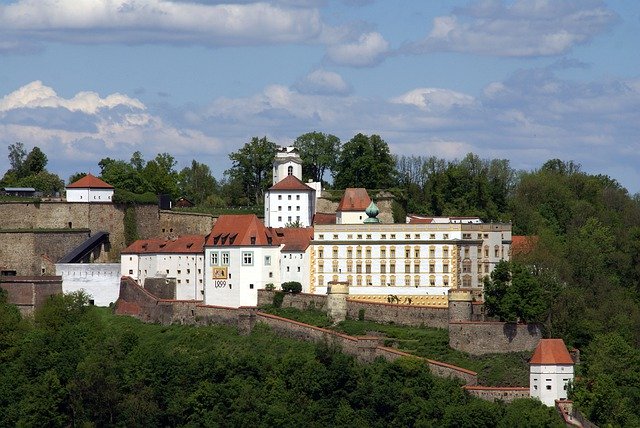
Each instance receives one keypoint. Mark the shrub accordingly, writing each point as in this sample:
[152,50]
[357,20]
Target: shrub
[278,298]
[292,287]
[361,314]
[270,287]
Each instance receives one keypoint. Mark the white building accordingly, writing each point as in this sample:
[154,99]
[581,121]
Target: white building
[101,281]
[550,371]
[352,206]
[89,189]
[289,200]
[295,255]
[181,259]
[241,257]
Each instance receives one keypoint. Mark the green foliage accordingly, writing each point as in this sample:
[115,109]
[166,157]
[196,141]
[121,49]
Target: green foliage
[29,170]
[197,184]
[309,316]
[291,287]
[364,161]
[361,313]
[513,293]
[121,196]
[278,298]
[252,166]
[130,225]
[270,286]
[318,152]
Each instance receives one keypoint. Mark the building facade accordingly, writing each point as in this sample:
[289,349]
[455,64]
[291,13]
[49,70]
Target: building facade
[550,371]
[89,189]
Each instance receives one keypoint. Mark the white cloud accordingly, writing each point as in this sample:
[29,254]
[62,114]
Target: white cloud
[35,94]
[323,82]
[158,21]
[434,99]
[370,49]
[519,29]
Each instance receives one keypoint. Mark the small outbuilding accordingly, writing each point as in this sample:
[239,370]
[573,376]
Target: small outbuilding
[550,371]
[89,189]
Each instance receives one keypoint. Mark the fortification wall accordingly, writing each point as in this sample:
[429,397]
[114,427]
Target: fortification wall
[22,251]
[478,338]
[300,301]
[174,223]
[101,281]
[491,393]
[30,292]
[399,314]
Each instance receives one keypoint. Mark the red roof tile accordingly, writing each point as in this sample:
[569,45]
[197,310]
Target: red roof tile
[239,230]
[324,218]
[354,199]
[551,351]
[290,182]
[187,244]
[294,238]
[89,182]
[416,219]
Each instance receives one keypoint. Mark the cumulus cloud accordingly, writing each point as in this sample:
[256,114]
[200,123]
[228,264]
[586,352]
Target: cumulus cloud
[519,29]
[157,21]
[370,49]
[323,82]
[87,126]
[434,99]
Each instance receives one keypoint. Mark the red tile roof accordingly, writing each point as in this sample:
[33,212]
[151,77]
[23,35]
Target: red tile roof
[354,199]
[294,238]
[416,219]
[89,182]
[187,244]
[290,182]
[552,352]
[324,218]
[240,230]
[522,245]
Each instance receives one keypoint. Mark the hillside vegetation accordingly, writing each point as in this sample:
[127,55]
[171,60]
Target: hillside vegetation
[77,365]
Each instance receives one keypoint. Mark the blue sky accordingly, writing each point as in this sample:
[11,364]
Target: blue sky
[525,80]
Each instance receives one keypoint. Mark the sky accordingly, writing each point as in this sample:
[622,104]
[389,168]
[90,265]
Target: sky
[523,80]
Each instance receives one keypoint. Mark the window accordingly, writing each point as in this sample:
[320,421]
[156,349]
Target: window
[359,236]
[432,253]
[279,218]
[320,266]
[359,267]
[349,252]
[383,280]
[393,236]
[392,252]
[416,280]
[289,170]
[130,271]
[279,197]
[297,197]
[383,236]
[432,236]
[289,218]
[432,268]
[416,266]
[289,197]
[432,281]
[416,236]
[383,268]
[279,208]
[367,267]
[407,280]
[297,218]
[335,252]
[359,252]
[496,251]
[466,266]
[486,251]
[289,208]
[321,281]
[548,387]
[368,236]
[214,259]
[392,268]
[321,236]
[445,268]
[407,236]
[392,280]
[225,258]
[407,268]
[335,265]
[466,236]
[359,280]
[247,258]
[416,252]
[267,260]
[179,271]
[251,286]
[445,281]
[445,236]
[407,252]
[368,252]
[445,252]
[335,236]
[383,253]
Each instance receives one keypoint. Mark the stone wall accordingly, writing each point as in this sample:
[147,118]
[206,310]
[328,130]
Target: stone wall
[399,314]
[300,301]
[479,338]
[163,288]
[22,251]
[175,223]
[30,292]
[493,393]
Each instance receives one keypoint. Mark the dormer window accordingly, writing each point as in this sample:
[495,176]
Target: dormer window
[253,240]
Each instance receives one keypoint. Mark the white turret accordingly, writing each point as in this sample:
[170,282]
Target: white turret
[287,162]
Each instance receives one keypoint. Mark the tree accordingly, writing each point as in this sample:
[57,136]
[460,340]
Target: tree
[252,166]
[35,162]
[196,183]
[365,161]
[17,155]
[318,152]
[160,175]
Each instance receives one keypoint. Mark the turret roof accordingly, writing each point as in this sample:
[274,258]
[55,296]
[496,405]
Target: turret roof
[89,182]
[551,352]
[290,182]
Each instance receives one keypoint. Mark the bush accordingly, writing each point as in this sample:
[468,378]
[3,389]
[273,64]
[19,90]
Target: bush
[278,298]
[270,287]
[291,287]
[361,314]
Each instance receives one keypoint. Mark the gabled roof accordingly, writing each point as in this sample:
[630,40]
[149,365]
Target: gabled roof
[416,219]
[294,238]
[290,182]
[551,352]
[187,244]
[240,230]
[324,218]
[354,199]
[89,182]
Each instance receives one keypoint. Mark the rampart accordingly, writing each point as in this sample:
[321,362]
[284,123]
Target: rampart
[175,223]
[300,301]
[479,338]
[30,292]
[497,393]
[410,315]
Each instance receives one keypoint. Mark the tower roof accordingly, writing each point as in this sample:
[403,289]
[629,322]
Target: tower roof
[354,199]
[290,182]
[89,182]
[551,352]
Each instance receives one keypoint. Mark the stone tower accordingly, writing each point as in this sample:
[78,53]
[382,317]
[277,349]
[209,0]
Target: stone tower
[460,308]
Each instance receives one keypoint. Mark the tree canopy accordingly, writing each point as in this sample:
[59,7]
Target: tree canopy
[252,167]
[319,154]
[365,161]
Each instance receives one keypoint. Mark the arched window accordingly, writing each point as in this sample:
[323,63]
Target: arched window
[289,170]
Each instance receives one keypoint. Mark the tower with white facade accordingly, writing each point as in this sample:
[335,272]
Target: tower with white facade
[550,371]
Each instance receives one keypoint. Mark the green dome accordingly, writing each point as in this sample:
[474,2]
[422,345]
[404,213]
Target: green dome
[372,212]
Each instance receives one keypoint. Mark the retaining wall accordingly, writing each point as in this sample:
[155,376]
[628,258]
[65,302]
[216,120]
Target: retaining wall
[492,393]
[479,338]
[28,293]
[300,301]
[399,314]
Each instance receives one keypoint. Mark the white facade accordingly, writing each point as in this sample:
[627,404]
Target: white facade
[424,258]
[350,217]
[187,269]
[101,281]
[234,274]
[295,266]
[288,206]
[550,382]
[287,162]
[89,195]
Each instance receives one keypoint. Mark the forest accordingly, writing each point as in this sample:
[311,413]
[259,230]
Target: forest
[580,278]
